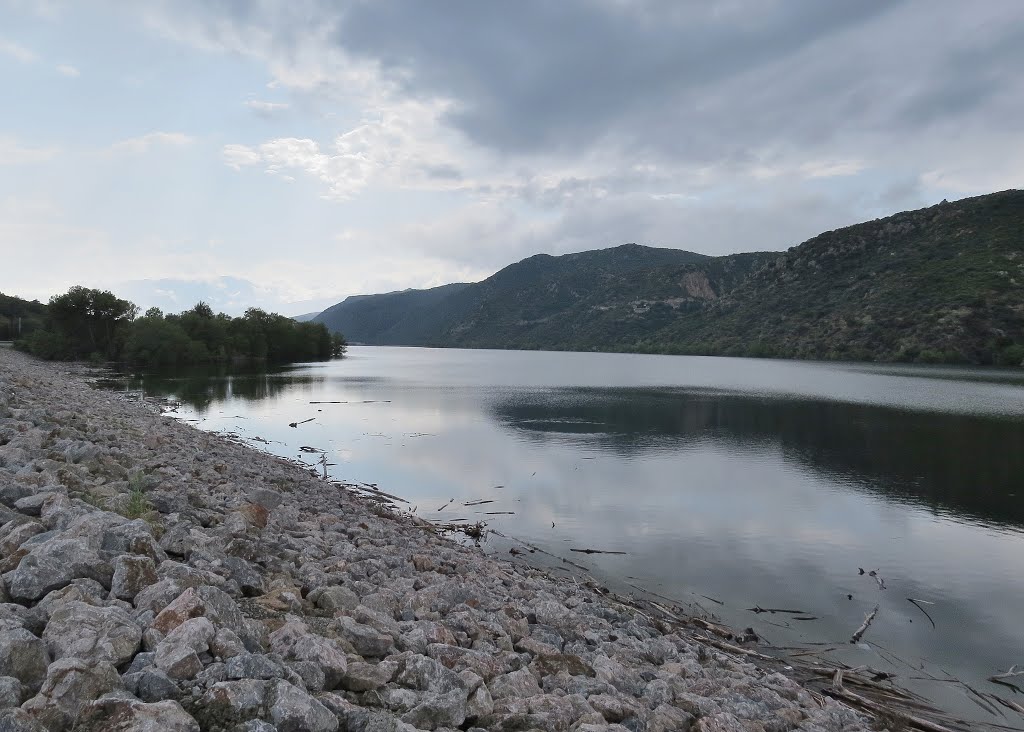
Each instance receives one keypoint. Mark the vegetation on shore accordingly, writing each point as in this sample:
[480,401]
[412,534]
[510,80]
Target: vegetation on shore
[19,318]
[95,324]
[944,284]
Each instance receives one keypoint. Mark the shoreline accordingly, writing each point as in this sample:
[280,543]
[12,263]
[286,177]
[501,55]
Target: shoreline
[226,586]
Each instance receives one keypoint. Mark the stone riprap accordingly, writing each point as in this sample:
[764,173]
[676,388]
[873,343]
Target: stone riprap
[156,577]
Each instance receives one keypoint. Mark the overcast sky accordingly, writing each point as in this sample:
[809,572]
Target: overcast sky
[287,154]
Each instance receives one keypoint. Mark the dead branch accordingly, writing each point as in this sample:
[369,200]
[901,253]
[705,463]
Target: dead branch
[918,606]
[864,626]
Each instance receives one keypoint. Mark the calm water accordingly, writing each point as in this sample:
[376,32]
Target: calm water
[747,481]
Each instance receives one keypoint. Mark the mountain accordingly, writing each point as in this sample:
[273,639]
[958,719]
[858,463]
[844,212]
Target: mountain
[941,284]
[305,317]
[393,318]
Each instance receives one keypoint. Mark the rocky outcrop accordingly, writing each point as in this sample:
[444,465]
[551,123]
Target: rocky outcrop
[250,596]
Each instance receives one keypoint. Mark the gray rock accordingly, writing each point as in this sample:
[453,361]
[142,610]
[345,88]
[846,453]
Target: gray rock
[31,505]
[209,602]
[287,707]
[293,710]
[226,644]
[52,565]
[293,642]
[132,573]
[13,534]
[12,691]
[177,655]
[22,656]
[254,666]
[151,685]
[366,641]
[18,720]
[362,676]
[334,599]
[265,497]
[97,634]
[115,713]
[516,685]
[70,684]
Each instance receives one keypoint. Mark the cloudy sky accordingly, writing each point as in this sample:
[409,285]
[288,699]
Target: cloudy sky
[288,154]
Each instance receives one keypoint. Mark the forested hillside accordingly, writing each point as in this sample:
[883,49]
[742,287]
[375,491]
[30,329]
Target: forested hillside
[941,284]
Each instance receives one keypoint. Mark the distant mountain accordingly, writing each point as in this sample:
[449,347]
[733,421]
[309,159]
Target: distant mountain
[395,318]
[945,283]
[305,317]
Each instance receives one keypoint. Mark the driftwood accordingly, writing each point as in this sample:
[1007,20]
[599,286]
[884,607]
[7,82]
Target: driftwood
[296,424]
[879,710]
[864,626]
[917,604]
[758,610]
[594,551]
[478,503]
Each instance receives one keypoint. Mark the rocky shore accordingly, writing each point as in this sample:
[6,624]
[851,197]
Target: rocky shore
[156,577]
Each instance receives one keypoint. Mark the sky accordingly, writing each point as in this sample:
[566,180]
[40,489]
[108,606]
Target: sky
[288,154]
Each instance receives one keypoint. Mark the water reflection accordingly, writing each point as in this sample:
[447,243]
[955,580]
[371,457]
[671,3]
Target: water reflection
[202,388]
[962,464]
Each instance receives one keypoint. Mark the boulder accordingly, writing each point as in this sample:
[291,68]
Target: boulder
[293,642]
[132,573]
[122,713]
[97,634]
[209,602]
[365,640]
[22,655]
[177,654]
[52,565]
[516,685]
[287,707]
[12,691]
[70,684]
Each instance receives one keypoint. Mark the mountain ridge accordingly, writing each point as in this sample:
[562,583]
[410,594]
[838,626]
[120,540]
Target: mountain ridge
[943,283]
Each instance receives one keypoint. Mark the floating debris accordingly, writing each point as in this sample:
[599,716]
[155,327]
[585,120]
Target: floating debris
[296,424]
[595,551]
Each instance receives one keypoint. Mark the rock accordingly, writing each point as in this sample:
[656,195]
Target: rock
[287,707]
[97,634]
[226,644]
[13,534]
[362,676]
[516,685]
[209,602]
[18,720]
[480,703]
[132,573]
[31,505]
[265,497]
[667,718]
[127,714]
[70,684]
[334,599]
[22,656]
[366,641]
[151,685]
[177,655]
[12,691]
[293,642]
[551,664]
[249,580]
[254,666]
[53,565]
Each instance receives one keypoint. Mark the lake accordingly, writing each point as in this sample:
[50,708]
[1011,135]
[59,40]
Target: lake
[728,484]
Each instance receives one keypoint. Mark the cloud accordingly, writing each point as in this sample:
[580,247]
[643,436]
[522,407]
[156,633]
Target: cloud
[266,107]
[69,71]
[14,153]
[17,52]
[144,143]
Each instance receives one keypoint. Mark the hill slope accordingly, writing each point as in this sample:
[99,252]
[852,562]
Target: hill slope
[945,283]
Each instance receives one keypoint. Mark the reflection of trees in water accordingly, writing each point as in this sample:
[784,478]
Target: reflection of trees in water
[202,388]
[973,465]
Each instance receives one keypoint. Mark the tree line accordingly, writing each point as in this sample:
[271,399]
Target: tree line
[93,324]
